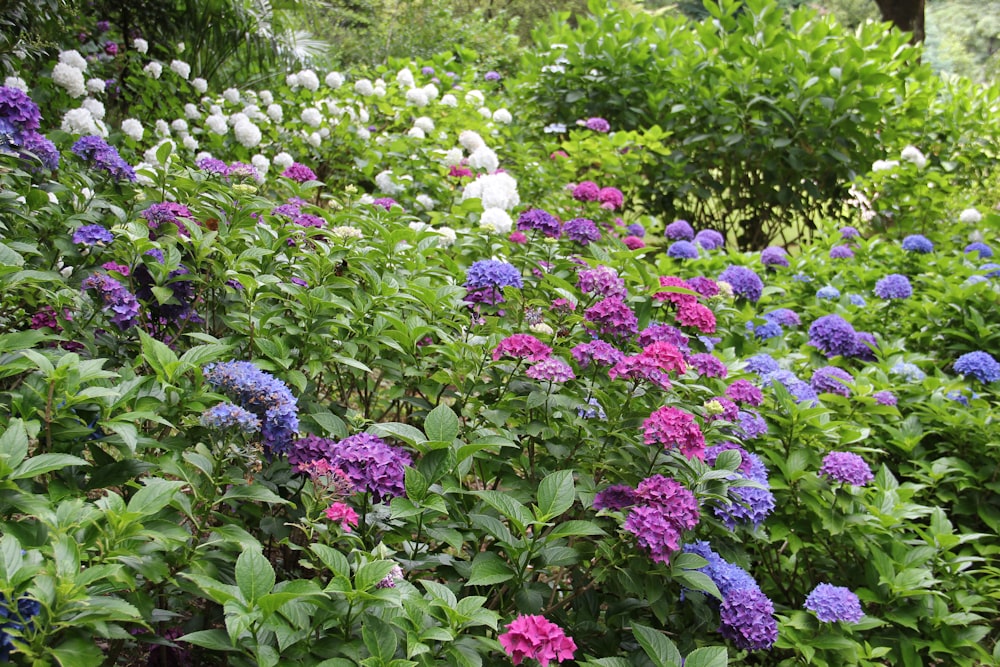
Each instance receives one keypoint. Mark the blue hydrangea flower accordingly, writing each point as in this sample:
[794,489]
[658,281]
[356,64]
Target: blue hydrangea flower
[636,229]
[262,394]
[893,286]
[907,371]
[709,239]
[800,391]
[683,250]
[15,619]
[226,415]
[762,364]
[985,252]
[726,576]
[834,603]
[832,380]
[833,335]
[96,151]
[744,281]
[593,410]
[767,330]
[992,270]
[485,280]
[828,292]
[980,365]
[857,300]
[91,235]
[774,256]
[679,230]
[750,505]
[918,243]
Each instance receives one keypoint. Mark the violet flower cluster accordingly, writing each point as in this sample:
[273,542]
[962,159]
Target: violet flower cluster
[834,603]
[749,504]
[980,365]
[115,298]
[744,281]
[485,280]
[846,468]
[263,395]
[101,155]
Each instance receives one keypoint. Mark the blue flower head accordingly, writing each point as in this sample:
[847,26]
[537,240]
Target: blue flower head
[918,243]
[261,394]
[980,365]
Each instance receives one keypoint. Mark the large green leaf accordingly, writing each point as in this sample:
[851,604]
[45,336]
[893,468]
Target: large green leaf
[254,575]
[556,494]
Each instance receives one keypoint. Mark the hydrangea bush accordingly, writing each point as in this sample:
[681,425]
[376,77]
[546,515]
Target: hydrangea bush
[415,390]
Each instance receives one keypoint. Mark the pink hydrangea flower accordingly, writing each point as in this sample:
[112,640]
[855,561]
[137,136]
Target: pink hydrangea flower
[522,346]
[675,429]
[696,315]
[343,513]
[538,638]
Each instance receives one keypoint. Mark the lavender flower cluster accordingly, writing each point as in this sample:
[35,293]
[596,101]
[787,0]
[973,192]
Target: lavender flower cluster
[116,299]
[101,155]
[371,464]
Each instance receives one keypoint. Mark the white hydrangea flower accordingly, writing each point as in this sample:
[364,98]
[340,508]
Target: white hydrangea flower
[364,87]
[283,160]
[292,81]
[142,174]
[485,112]
[363,114]
[266,97]
[324,132]
[191,111]
[541,328]
[275,112]
[448,237]
[502,116]
[132,129]
[237,117]
[94,86]
[315,139]
[426,202]
[73,59]
[970,216]
[484,159]
[913,154]
[181,68]
[190,143]
[22,85]
[404,77]
[204,155]
[200,85]
[363,133]
[497,190]
[217,123]
[153,69]
[449,100]
[141,45]
[309,80]
[231,95]
[334,80]
[366,199]
[384,182]
[70,78]
[496,220]
[883,165]
[260,163]
[416,133]
[344,232]
[475,97]
[416,97]
[180,48]
[425,124]
[81,121]
[431,91]
[179,125]
[247,134]
[162,128]
[453,157]
[95,107]
[380,90]
[470,140]
[312,117]
[976,236]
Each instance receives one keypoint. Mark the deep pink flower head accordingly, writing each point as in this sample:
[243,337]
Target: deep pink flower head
[611,198]
[299,173]
[538,638]
[696,315]
[678,505]
[666,356]
[633,242]
[522,346]
[676,298]
[344,514]
[587,191]
[675,429]
[460,172]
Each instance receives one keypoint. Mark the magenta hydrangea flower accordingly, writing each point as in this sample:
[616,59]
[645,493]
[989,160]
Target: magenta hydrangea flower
[834,603]
[538,638]
[615,497]
[846,468]
[653,531]
[602,280]
[522,346]
[744,391]
[676,298]
[678,505]
[696,315]
[299,173]
[343,514]
[708,365]
[551,369]
[674,429]
[596,351]
[587,191]
[611,198]
[633,242]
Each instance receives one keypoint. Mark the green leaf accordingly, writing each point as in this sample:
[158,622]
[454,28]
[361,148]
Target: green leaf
[334,561]
[575,527]
[488,569]
[442,424]
[43,463]
[254,575]
[379,637]
[408,434]
[556,494]
[254,492]
[214,640]
[370,574]
[160,358]
[154,496]
[514,511]
[416,484]
[78,653]
[14,444]
[708,656]
[657,646]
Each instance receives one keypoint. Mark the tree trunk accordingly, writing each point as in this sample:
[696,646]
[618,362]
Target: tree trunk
[906,15]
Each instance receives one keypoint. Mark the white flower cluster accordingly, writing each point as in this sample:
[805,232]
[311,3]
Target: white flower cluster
[181,68]
[913,154]
[132,129]
[217,123]
[261,164]
[425,124]
[81,121]
[73,59]
[502,116]
[275,113]
[448,237]
[150,155]
[452,158]
[247,134]
[283,160]
[231,95]
[20,84]
[190,142]
[162,129]
[364,87]
[312,117]
[884,165]
[95,86]
[449,100]
[384,182]
[308,80]
[95,107]
[405,78]
[191,111]
[496,220]
[153,69]
[970,216]
[179,125]
[417,97]
[70,78]
[334,80]
[141,45]
[494,190]
[484,159]
[200,85]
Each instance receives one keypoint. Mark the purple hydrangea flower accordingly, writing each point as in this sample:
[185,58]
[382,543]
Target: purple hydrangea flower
[615,497]
[262,394]
[612,317]
[783,316]
[885,398]
[598,125]
[91,235]
[592,410]
[834,603]
[212,165]
[541,220]
[653,531]
[116,299]
[601,280]
[762,364]
[750,505]
[679,230]
[39,146]
[492,75]
[985,252]
[677,504]
[918,243]
[582,230]
[597,351]
[774,256]
[664,333]
[748,620]
[708,365]
[831,380]
[682,250]
[980,365]
[704,286]
[849,232]
[750,425]
[893,286]
[18,109]
[551,369]
[385,202]
[709,239]
[800,391]
[846,468]
[833,335]
[841,252]
[485,280]
[636,229]
[743,391]
[745,282]
[299,173]
[101,155]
